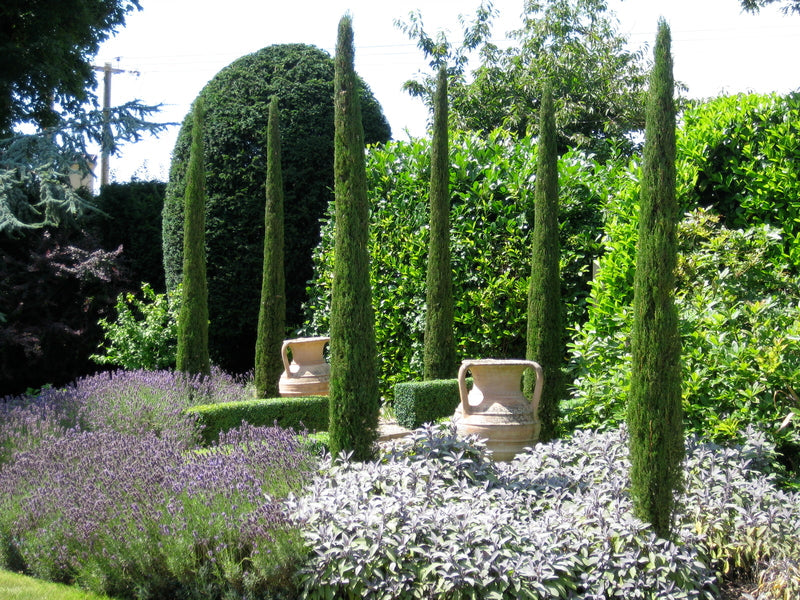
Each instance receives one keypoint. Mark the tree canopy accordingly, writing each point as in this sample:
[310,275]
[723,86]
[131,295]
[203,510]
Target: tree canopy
[598,83]
[46,47]
[788,6]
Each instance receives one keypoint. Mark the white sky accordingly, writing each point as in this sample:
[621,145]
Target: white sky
[172,48]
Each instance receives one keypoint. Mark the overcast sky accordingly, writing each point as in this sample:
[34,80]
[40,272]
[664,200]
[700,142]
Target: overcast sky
[172,48]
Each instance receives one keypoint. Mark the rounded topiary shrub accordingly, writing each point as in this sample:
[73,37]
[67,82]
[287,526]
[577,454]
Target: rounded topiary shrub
[237,100]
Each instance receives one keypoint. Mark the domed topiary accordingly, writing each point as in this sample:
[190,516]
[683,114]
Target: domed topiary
[237,101]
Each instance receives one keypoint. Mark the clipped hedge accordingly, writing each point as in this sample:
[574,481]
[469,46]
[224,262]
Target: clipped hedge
[420,402]
[237,99]
[310,412]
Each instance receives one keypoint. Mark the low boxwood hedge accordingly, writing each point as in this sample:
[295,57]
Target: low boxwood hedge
[309,413]
[420,402]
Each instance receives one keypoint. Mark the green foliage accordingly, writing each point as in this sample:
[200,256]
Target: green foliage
[598,82]
[272,308]
[47,52]
[35,168]
[789,6]
[491,206]
[742,154]
[237,98]
[192,354]
[444,521]
[740,328]
[130,215]
[145,332]
[655,416]
[439,351]
[735,271]
[545,331]
[354,395]
[420,402]
[309,413]
[54,286]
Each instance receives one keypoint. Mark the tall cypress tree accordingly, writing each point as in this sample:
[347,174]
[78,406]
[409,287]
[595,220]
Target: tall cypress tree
[545,335]
[354,396]
[655,416]
[440,350]
[193,317]
[272,310]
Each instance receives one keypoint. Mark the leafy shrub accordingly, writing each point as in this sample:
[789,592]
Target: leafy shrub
[740,323]
[145,332]
[237,100]
[742,153]
[437,519]
[54,286]
[419,402]
[491,184]
[145,519]
[309,413]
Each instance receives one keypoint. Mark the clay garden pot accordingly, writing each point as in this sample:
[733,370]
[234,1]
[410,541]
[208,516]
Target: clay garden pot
[308,374]
[496,409]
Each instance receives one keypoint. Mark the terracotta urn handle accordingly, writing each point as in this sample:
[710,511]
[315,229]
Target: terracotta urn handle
[537,388]
[462,385]
[285,357]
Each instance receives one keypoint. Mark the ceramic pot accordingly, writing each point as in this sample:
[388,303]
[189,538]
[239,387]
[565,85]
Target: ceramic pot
[495,408]
[308,374]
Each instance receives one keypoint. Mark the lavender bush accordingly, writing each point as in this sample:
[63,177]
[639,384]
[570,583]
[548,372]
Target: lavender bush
[436,519]
[135,402]
[135,515]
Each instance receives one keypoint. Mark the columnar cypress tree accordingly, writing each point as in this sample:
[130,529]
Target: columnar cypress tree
[440,350]
[545,336]
[655,417]
[193,317]
[272,310]
[354,396]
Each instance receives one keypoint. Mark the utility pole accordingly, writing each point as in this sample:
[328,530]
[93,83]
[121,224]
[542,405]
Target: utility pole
[107,140]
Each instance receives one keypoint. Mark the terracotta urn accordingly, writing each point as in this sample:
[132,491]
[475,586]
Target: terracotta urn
[495,408]
[308,374]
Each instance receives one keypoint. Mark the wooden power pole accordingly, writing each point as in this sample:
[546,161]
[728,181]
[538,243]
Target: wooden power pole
[107,140]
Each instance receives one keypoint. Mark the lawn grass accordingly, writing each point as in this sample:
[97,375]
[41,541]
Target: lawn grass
[14,586]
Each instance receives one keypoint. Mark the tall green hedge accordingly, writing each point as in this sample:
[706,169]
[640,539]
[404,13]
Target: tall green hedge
[301,77]
[742,159]
[490,219]
[131,217]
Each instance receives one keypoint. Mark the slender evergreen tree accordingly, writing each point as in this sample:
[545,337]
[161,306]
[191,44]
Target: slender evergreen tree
[272,310]
[545,335]
[655,417]
[193,317]
[354,396]
[440,349]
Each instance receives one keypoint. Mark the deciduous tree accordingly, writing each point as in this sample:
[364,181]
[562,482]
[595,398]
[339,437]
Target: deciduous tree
[598,81]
